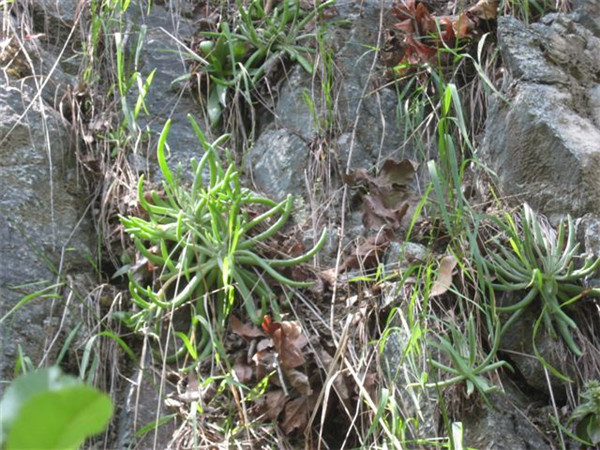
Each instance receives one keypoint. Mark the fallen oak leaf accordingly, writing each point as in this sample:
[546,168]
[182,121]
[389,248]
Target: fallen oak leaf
[443,280]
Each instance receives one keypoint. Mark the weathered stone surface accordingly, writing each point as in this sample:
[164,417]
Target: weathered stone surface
[40,212]
[517,346]
[545,143]
[364,116]
[140,402]
[55,18]
[279,163]
[503,427]
[166,100]
[413,401]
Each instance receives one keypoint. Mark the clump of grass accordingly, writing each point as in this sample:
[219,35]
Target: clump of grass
[241,52]
[203,241]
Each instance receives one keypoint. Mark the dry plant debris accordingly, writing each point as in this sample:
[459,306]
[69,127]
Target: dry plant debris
[388,194]
[444,276]
[418,36]
[281,352]
[388,201]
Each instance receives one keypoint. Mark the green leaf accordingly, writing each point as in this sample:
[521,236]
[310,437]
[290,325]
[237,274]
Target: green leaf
[63,410]
[63,419]
[593,429]
[160,153]
[214,107]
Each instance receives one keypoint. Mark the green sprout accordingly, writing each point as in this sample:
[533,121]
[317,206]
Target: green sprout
[204,239]
[587,414]
[461,349]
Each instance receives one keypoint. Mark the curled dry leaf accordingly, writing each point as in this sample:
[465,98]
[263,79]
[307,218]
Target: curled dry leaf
[339,382]
[389,196]
[265,358]
[328,277]
[243,370]
[376,215]
[288,341]
[369,253]
[370,384]
[485,9]
[444,276]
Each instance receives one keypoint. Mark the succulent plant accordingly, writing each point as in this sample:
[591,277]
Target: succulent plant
[542,264]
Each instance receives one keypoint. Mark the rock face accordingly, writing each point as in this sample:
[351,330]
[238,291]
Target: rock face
[544,144]
[364,117]
[43,238]
[162,54]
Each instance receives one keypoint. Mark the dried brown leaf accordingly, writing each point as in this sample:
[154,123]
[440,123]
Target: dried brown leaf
[341,388]
[274,403]
[425,21]
[243,370]
[244,330]
[370,252]
[297,412]
[396,174]
[329,276]
[444,276]
[404,10]
[376,215]
[299,381]
[464,26]
[288,341]
[370,384]
[485,9]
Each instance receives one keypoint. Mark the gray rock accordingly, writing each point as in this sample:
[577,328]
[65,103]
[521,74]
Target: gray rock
[402,255]
[40,220]
[278,163]
[140,404]
[55,18]
[364,117]
[545,144]
[166,100]
[415,402]
[590,234]
[517,346]
[503,427]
